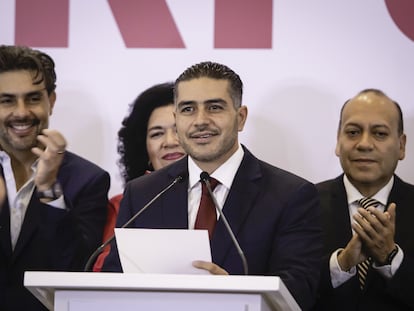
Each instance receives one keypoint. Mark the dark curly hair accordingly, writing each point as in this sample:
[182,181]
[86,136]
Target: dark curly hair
[14,57]
[132,137]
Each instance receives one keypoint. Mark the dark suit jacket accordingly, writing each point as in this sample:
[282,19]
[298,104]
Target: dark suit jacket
[379,294]
[274,215]
[51,238]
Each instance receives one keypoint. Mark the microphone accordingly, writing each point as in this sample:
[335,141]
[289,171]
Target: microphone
[205,178]
[99,250]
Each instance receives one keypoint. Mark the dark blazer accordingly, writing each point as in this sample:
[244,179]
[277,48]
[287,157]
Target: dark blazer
[274,215]
[51,238]
[379,294]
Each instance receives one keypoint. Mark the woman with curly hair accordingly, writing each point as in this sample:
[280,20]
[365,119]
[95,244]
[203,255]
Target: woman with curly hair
[147,141]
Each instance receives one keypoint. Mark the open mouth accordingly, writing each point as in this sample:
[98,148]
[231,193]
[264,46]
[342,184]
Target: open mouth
[22,127]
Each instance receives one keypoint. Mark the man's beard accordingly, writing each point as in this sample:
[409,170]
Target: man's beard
[19,143]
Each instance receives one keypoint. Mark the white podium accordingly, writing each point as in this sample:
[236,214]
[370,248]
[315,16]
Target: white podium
[86,291]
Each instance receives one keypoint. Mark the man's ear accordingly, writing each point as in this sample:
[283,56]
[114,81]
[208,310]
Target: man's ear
[52,100]
[242,117]
[403,141]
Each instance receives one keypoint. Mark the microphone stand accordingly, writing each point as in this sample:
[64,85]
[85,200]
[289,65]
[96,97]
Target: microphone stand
[99,250]
[205,177]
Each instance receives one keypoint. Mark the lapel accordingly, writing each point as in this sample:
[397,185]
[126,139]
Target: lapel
[401,195]
[398,192]
[30,224]
[241,198]
[5,239]
[339,213]
[175,201]
[33,217]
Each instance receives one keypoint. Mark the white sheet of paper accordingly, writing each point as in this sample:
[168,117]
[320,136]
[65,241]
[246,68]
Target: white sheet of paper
[169,251]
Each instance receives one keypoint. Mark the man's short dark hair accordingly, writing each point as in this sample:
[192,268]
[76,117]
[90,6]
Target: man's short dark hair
[24,58]
[214,71]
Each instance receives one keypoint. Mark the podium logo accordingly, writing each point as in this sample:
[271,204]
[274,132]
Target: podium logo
[148,23]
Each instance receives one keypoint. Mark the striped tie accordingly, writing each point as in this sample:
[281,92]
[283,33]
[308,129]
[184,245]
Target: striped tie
[363,267]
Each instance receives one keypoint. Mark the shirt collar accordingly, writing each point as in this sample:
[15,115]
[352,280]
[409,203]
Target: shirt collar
[5,158]
[225,173]
[381,196]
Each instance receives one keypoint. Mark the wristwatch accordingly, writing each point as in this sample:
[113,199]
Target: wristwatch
[390,257]
[53,193]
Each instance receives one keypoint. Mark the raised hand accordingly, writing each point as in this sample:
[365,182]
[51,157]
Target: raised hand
[376,231]
[352,255]
[50,158]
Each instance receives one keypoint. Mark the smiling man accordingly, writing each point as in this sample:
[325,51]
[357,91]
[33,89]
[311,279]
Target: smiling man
[274,214]
[369,248]
[55,209]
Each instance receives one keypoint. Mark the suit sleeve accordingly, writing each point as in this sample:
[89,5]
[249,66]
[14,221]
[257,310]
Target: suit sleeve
[297,248]
[112,262]
[77,231]
[399,286]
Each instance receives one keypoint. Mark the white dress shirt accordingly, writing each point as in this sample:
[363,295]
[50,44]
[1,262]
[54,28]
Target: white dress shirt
[224,174]
[19,200]
[338,277]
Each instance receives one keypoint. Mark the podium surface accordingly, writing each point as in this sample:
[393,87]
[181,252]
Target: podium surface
[78,291]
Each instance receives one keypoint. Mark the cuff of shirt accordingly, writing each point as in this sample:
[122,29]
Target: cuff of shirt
[339,277]
[388,271]
[58,203]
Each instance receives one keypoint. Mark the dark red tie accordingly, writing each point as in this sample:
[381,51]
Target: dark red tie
[207,216]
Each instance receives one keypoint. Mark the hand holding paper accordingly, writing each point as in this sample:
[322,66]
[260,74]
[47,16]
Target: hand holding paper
[167,251]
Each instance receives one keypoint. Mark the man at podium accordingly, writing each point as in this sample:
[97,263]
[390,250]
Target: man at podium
[273,214]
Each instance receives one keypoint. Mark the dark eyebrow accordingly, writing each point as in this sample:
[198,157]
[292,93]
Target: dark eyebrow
[215,100]
[186,102]
[156,127]
[31,93]
[34,93]
[7,95]
[208,101]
